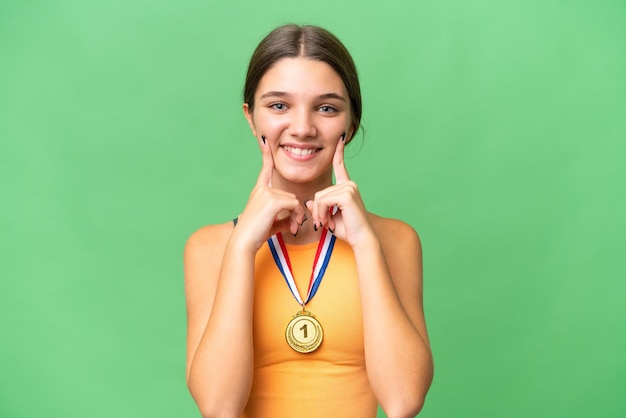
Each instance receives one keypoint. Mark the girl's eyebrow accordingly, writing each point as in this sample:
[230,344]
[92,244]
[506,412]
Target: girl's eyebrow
[321,96]
[273,94]
[332,96]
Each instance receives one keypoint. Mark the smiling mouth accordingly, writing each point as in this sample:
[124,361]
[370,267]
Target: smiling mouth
[301,152]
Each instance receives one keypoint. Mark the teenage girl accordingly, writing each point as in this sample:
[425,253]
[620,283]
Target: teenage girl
[305,305]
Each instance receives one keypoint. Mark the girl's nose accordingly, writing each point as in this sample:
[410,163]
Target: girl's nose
[302,125]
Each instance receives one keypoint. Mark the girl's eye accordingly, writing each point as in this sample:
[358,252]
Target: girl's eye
[278,106]
[327,109]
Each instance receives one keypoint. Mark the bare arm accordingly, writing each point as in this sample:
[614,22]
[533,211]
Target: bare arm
[388,258]
[219,287]
[219,292]
[397,350]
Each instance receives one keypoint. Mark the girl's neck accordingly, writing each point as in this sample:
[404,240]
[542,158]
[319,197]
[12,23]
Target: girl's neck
[303,191]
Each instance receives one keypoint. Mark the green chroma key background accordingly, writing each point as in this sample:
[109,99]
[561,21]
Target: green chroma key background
[496,128]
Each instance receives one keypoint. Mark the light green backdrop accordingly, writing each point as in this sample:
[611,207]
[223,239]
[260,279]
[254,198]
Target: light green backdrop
[496,128]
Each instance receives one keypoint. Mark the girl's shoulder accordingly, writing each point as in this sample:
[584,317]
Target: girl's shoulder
[395,235]
[402,249]
[209,239]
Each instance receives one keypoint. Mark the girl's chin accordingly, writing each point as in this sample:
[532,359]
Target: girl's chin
[301,176]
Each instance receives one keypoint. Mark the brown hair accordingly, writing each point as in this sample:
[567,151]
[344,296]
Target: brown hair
[312,42]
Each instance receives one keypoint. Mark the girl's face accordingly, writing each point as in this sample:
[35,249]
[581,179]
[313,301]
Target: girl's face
[302,107]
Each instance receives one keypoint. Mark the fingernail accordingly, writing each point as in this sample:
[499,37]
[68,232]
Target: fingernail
[305,219]
[343,137]
[332,231]
[306,201]
[296,233]
[263,138]
[315,226]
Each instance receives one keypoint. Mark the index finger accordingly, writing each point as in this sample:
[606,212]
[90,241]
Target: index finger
[341,174]
[265,176]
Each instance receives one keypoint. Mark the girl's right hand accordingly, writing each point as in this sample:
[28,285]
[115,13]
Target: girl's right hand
[259,219]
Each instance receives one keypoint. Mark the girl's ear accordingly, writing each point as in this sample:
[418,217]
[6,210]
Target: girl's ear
[248,115]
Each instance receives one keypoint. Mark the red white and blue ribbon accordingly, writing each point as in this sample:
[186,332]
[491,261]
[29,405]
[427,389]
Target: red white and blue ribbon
[322,257]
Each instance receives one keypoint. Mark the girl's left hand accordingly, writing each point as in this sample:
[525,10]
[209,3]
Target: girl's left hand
[350,222]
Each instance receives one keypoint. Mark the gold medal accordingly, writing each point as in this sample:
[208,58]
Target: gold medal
[304,333]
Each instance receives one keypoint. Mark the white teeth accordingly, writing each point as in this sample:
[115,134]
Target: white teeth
[300,151]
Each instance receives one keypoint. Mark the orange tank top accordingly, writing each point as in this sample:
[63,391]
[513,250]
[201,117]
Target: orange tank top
[329,382]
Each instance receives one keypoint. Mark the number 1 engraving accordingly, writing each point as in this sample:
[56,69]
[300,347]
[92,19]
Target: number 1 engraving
[303,328]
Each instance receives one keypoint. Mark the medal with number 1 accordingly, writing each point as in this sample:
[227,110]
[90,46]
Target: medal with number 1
[304,332]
